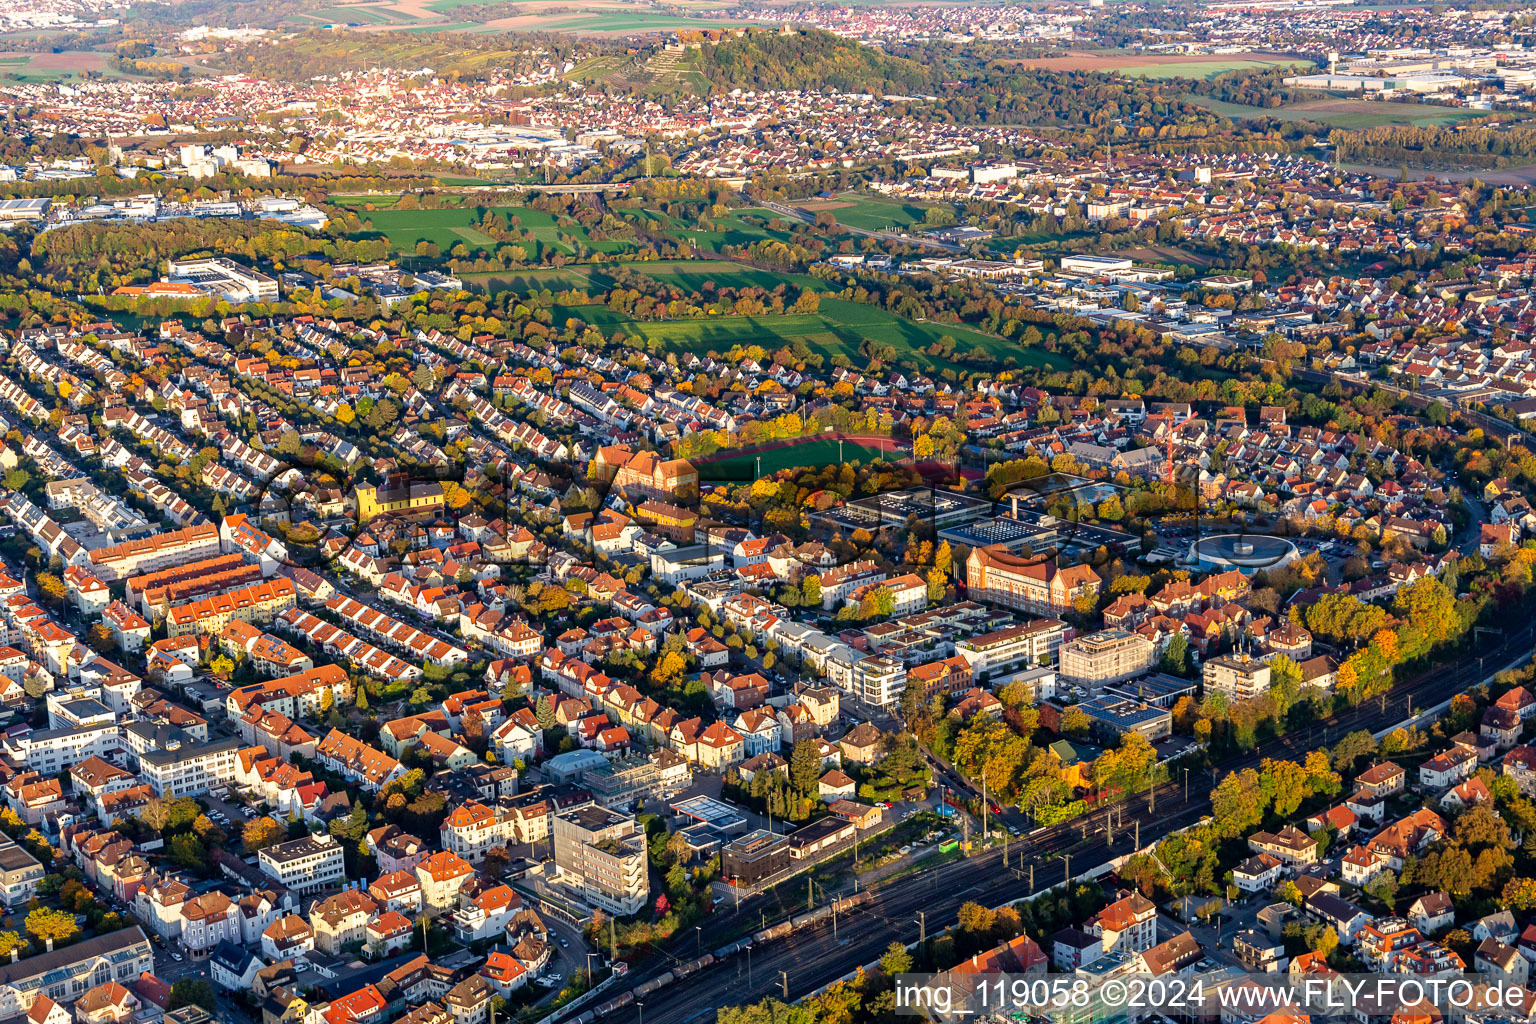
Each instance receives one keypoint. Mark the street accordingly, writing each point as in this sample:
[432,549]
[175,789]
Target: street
[930,901]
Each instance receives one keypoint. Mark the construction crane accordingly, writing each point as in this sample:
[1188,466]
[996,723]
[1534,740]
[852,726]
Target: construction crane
[1173,430]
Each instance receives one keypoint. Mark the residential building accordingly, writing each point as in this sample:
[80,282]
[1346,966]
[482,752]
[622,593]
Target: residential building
[601,856]
[307,864]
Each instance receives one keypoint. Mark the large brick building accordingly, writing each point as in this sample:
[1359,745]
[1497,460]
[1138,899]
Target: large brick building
[1030,585]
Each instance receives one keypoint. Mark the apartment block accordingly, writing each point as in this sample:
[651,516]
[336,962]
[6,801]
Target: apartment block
[601,856]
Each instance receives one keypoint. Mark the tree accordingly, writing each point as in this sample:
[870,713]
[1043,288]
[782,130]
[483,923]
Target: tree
[208,831]
[897,960]
[11,942]
[259,833]
[805,768]
[193,992]
[1349,750]
[1519,895]
[187,851]
[1238,802]
[1074,722]
[1383,888]
[52,587]
[1176,655]
[53,927]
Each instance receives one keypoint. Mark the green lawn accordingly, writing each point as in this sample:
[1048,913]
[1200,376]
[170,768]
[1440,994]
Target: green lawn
[1346,114]
[810,452]
[871,214]
[731,229]
[686,274]
[1206,68]
[447,228]
[839,328]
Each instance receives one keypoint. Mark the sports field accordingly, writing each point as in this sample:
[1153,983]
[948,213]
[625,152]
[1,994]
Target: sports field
[869,213]
[1345,113]
[814,451]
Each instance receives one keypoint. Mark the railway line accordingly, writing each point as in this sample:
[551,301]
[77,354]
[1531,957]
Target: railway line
[802,958]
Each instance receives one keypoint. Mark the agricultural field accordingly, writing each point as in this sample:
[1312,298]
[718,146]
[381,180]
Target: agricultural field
[1345,113]
[816,451]
[54,67]
[585,17]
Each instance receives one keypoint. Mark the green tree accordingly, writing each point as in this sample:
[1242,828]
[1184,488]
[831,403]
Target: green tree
[897,960]
[53,927]
[805,768]
[193,992]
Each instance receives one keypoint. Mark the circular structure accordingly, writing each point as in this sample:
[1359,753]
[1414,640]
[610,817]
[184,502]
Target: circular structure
[1247,552]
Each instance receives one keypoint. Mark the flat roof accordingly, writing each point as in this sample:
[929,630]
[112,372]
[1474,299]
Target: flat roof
[708,809]
[1121,711]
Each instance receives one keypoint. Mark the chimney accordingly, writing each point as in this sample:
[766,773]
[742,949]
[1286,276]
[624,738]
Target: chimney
[1015,500]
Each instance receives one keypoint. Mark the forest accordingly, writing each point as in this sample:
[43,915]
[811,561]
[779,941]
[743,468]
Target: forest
[810,59]
[1470,144]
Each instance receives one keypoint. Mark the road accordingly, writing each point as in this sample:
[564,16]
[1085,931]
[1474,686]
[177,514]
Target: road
[1507,432]
[814,957]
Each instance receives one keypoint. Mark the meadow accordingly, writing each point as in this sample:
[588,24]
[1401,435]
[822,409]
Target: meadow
[1206,68]
[839,328]
[797,454]
[448,227]
[689,275]
[1345,113]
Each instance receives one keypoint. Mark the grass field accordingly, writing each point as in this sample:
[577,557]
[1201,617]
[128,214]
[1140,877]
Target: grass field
[1345,113]
[731,229]
[687,274]
[810,452]
[1203,68]
[872,214]
[839,328]
[447,228]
